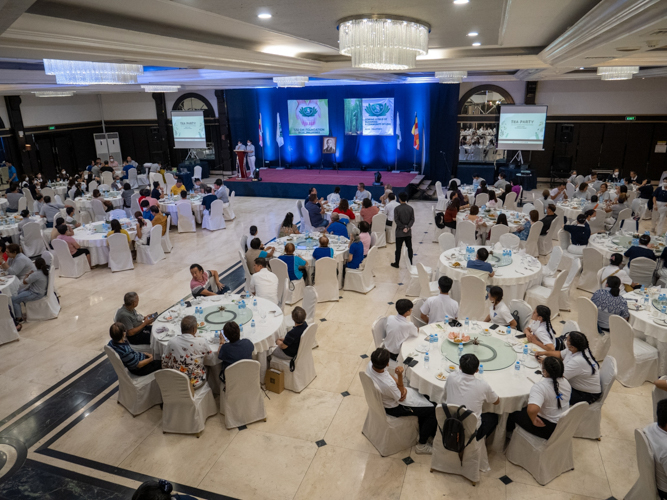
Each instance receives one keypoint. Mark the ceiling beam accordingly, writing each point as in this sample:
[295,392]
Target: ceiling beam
[11,10]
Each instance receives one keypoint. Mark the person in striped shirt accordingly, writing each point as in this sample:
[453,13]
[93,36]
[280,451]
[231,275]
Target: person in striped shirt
[138,363]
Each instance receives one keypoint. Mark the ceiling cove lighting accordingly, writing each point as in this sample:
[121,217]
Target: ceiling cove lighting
[451,76]
[290,81]
[92,73]
[476,44]
[61,93]
[161,88]
[383,42]
[264,16]
[461,2]
[618,72]
[473,33]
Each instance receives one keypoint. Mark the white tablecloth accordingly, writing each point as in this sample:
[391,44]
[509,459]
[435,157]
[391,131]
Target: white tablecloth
[648,330]
[169,208]
[12,230]
[514,279]
[491,217]
[97,243]
[571,210]
[356,210]
[3,204]
[604,244]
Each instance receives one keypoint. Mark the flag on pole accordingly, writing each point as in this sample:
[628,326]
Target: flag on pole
[261,133]
[423,149]
[398,131]
[415,133]
[279,134]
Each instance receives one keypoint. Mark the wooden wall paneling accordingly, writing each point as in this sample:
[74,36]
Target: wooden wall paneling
[657,162]
[637,147]
[588,147]
[613,145]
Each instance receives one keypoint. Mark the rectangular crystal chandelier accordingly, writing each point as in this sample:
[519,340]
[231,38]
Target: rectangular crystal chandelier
[92,73]
[161,88]
[47,93]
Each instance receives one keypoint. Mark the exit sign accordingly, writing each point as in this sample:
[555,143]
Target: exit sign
[52,127]
[630,118]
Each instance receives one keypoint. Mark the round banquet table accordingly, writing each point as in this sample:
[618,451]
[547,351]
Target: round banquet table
[61,190]
[96,242]
[570,209]
[4,203]
[9,228]
[522,273]
[306,243]
[83,203]
[9,285]
[469,191]
[267,330]
[512,388]
[356,210]
[620,242]
[515,220]
[168,207]
[646,324]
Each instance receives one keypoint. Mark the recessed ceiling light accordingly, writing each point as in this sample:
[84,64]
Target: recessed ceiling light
[476,44]
[264,16]
[473,33]
[581,68]
[460,2]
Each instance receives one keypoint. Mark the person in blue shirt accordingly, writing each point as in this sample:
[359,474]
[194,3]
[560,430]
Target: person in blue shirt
[337,226]
[126,170]
[640,251]
[356,252]
[13,176]
[315,211]
[208,199]
[146,210]
[234,348]
[480,263]
[324,250]
[296,266]
[580,233]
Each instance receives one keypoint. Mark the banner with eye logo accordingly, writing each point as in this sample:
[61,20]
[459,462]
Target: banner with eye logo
[308,117]
[378,116]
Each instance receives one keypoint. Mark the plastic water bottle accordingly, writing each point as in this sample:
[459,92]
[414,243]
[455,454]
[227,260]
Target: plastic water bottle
[241,330]
[252,326]
[446,320]
[646,300]
[481,370]
[517,368]
[635,242]
[426,361]
[466,328]
[460,350]
[509,330]
[664,311]
[182,305]
[247,294]
[525,352]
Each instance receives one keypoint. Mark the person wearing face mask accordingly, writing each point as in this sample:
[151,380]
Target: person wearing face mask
[250,153]
[660,207]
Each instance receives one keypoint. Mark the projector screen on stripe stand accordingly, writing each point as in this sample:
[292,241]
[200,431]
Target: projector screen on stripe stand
[522,127]
[189,130]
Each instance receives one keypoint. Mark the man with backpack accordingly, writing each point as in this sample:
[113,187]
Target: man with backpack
[393,392]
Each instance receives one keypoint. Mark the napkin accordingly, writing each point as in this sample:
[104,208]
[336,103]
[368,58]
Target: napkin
[497,247]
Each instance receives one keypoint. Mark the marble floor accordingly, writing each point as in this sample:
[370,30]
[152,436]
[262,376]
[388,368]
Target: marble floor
[58,402]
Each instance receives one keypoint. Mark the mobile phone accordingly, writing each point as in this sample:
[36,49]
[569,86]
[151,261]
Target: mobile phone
[188,303]
[413,363]
[154,315]
[493,327]
[521,336]
[538,372]
[408,360]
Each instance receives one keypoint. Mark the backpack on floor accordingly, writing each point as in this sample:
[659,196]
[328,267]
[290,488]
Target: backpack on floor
[440,220]
[453,433]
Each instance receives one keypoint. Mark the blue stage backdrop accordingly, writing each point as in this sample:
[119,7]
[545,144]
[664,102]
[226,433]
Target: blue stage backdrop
[434,103]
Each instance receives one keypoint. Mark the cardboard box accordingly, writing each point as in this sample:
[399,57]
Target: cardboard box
[274,380]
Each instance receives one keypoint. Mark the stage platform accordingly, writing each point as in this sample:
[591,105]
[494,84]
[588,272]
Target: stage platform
[294,183]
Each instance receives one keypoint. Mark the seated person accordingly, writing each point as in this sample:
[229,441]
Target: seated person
[183,199]
[393,392]
[524,232]
[288,228]
[614,211]
[205,283]
[178,187]
[337,227]
[256,251]
[263,282]
[234,348]
[603,194]
[185,353]
[558,193]
[390,207]
[368,210]
[26,218]
[159,219]
[17,263]
[548,219]
[344,209]
[580,233]
[480,263]
[50,210]
[437,309]
[116,185]
[385,197]
[138,363]
[70,220]
[67,235]
[365,235]
[615,269]
[501,182]
[38,204]
[288,347]
[593,204]
[356,253]
[582,192]
[33,288]
[106,167]
[117,228]
[315,211]
[581,369]
[463,389]
[499,313]
[209,198]
[493,201]
[296,266]
[362,193]
[541,332]
[157,192]
[609,301]
[143,228]
[399,328]
[221,191]
[656,435]
[642,250]
[548,400]
[334,198]
[13,196]
[324,250]
[138,327]
[146,210]
[452,211]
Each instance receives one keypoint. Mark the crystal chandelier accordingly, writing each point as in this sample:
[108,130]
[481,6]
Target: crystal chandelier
[91,73]
[161,88]
[290,81]
[451,76]
[618,72]
[63,93]
[383,42]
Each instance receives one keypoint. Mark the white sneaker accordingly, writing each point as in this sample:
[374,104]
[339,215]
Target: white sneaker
[423,449]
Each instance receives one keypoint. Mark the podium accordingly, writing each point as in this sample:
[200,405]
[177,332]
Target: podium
[240,163]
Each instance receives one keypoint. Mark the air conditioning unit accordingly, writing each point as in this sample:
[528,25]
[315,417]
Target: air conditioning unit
[108,145]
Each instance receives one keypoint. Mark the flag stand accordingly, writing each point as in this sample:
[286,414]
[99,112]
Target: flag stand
[279,163]
[414,164]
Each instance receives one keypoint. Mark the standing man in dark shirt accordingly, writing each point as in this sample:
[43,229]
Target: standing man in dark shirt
[404,217]
[235,350]
[288,347]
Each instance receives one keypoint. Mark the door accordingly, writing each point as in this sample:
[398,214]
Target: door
[65,153]
[46,156]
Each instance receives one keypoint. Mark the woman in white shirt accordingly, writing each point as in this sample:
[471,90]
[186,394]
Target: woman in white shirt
[541,332]
[614,269]
[582,370]
[499,313]
[547,402]
[493,201]
[143,231]
[603,194]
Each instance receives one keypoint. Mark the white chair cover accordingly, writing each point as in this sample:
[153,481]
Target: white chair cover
[658,395]
[294,290]
[579,179]
[523,310]
[132,178]
[379,330]
[645,488]
[166,241]
[378,229]
[447,241]
[104,187]
[326,279]
[637,360]
[527,208]
[539,206]
[70,267]
[186,220]
[85,217]
[411,274]
[92,186]
[458,182]
[32,241]
[183,413]
[427,288]
[547,459]
[589,428]
[304,366]
[587,317]
[229,209]
[465,233]
[624,214]
[310,303]
[573,268]
[554,261]
[475,457]
[473,296]
[597,223]
[152,253]
[388,434]
[157,177]
[136,394]
[549,297]
[545,243]
[107,178]
[481,199]
[496,232]
[509,241]
[215,219]
[197,172]
[510,201]
[169,179]
[134,203]
[8,332]
[592,262]
[531,245]
[641,270]
[47,191]
[390,233]
[48,307]
[416,320]
[98,210]
[120,257]
[23,204]
[362,280]
[442,197]
[30,201]
[242,401]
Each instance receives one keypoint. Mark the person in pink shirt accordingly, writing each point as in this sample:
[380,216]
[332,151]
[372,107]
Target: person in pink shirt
[65,234]
[365,235]
[368,211]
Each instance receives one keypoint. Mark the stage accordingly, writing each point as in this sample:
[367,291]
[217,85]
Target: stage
[294,183]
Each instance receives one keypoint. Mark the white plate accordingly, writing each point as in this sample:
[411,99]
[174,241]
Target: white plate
[660,322]
[531,363]
[441,377]
[464,343]
[422,348]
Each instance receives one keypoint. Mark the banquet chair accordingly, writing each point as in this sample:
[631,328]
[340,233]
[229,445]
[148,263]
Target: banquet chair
[304,365]
[414,286]
[625,214]
[136,394]
[579,179]
[546,459]
[294,289]
[570,189]
[242,401]
[170,181]
[98,212]
[458,181]
[637,360]
[183,412]
[539,206]
[141,180]
[214,219]
[47,191]
[378,226]
[85,217]
[309,304]
[437,231]
[157,177]
[69,266]
[243,243]
[23,205]
[496,232]
[390,233]
[442,197]
[107,178]
[573,268]
[416,318]
[475,457]
[229,209]
[592,262]
[521,309]
[554,261]
[564,242]
[589,428]
[587,318]
[197,172]
[510,241]
[32,241]
[92,186]
[545,243]
[104,187]
[550,297]
[117,214]
[527,208]
[361,280]
[446,241]
[326,279]
[152,253]
[465,233]
[658,395]
[166,241]
[638,207]
[132,178]
[591,191]
[387,434]
[427,288]
[120,257]
[481,199]
[473,296]
[632,196]
[134,204]
[246,272]
[379,330]
[510,201]
[641,270]
[186,220]
[597,223]
[306,226]
[531,244]
[645,488]
[8,332]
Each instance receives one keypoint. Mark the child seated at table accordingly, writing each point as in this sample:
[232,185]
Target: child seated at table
[499,313]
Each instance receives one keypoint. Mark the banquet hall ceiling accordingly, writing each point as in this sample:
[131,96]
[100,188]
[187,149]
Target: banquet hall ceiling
[223,44]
